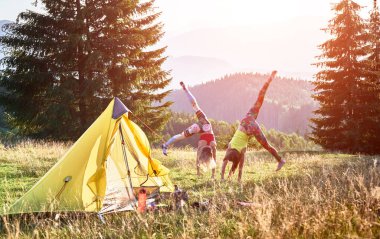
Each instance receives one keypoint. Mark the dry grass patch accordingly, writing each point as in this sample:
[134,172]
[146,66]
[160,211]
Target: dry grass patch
[316,195]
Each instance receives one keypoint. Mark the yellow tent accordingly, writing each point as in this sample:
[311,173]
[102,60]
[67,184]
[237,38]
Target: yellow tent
[101,172]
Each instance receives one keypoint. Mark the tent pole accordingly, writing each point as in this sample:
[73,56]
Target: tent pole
[126,160]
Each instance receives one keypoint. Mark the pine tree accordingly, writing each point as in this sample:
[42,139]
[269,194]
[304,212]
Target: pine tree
[65,65]
[338,86]
[371,127]
[141,68]
[32,95]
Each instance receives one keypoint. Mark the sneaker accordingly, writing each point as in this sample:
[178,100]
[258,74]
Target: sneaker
[280,164]
[164,150]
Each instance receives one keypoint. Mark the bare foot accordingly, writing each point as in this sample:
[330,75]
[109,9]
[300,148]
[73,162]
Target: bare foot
[280,164]
[273,74]
[183,85]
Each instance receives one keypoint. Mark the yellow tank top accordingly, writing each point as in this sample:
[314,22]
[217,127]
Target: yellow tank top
[239,141]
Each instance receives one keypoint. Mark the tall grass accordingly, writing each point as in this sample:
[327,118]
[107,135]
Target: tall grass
[315,196]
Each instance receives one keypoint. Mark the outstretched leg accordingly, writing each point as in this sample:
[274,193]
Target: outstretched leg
[193,129]
[260,99]
[264,142]
[206,126]
[172,140]
[191,98]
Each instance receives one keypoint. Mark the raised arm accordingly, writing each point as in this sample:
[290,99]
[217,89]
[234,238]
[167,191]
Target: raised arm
[192,99]
[241,164]
[260,99]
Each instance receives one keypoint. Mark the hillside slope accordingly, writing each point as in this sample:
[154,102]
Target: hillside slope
[288,103]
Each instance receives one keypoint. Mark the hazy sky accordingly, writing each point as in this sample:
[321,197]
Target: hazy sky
[244,33]
[185,15]
[181,14]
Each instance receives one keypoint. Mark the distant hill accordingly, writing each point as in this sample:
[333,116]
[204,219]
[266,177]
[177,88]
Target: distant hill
[288,46]
[288,104]
[196,69]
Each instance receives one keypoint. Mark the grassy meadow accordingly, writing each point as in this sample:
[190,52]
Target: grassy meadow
[316,195]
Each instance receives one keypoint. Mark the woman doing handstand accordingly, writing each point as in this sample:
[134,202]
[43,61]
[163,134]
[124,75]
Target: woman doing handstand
[206,153]
[249,127]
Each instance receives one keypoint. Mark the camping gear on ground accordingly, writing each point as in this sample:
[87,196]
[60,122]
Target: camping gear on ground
[180,198]
[202,205]
[142,200]
[248,204]
[101,172]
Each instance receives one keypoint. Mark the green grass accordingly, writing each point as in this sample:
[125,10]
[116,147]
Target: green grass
[316,195]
